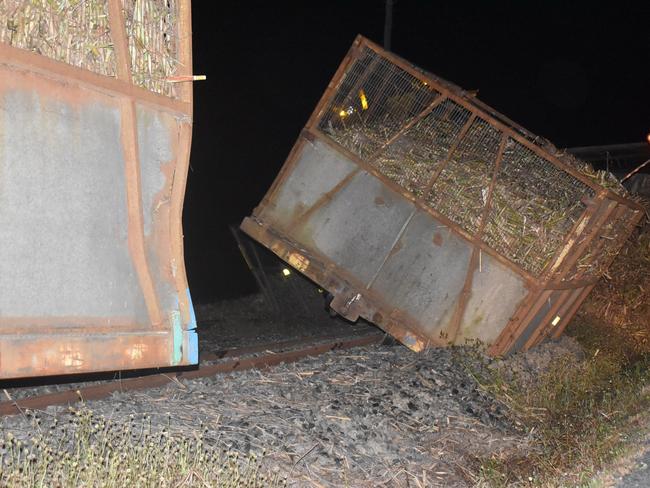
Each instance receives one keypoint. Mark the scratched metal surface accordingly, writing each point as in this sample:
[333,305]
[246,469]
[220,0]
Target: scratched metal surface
[496,293]
[318,170]
[358,226]
[157,145]
[425,273]
[72,294]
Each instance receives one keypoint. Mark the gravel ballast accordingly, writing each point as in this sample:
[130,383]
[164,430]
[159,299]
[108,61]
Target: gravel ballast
[373,416]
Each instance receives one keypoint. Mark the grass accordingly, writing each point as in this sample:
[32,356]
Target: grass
[89,450]
[581,414]
[576,415]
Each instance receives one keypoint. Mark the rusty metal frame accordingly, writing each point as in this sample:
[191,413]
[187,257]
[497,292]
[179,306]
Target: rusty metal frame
[254,357]
[450,154]
[25,338]
[179,182]
[596,214]
[454,326]
[513,130]
[547,320]
[131,157]
[600,218]
[571,238]
[528,309]
[419,202]
[618,213]
[547,327]
[336,279]
[629,226]
[573,309]
[22,59]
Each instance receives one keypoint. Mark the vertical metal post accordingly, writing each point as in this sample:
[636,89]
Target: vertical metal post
[388,25]
[257,270]
[129,134]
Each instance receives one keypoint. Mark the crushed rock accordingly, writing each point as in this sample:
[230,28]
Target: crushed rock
[374,416]
[380,415]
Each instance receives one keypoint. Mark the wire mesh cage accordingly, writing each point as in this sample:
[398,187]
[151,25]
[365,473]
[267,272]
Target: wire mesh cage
[79,33]
[445,154]
[478,229]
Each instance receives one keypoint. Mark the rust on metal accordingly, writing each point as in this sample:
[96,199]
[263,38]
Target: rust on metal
[573,284]
[334,84]
[547,320]
[437,101]
[490,192]
[461,135]
[495,118]
[575,306]
[362,230]
[29,61]
[113,293]
[600,219]
[454,324]
[326,197]
[554,321]
[527,311]
[135,213]
[321,270]
[573,236]
[120,41]
[273,354]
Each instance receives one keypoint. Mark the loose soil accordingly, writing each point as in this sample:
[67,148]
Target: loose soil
[373,416]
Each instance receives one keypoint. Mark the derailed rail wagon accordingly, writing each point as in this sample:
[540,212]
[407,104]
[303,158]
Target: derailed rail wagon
[94,150]
[429,214]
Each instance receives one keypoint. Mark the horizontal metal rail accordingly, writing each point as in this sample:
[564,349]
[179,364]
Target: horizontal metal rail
[265,356]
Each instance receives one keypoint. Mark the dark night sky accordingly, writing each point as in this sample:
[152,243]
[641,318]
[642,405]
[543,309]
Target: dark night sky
[576,73]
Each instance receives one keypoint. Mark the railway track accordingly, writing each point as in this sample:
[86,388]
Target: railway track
[212,363]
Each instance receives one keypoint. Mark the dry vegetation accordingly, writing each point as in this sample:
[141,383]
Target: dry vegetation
[529,218]
[445,154]
[580,414]
[91,451]
[576,412]
[619,307]
[576,415]
[78,33]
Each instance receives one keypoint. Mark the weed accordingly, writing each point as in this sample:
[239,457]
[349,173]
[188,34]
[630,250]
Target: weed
[89,450]
[575,414]
[579,414]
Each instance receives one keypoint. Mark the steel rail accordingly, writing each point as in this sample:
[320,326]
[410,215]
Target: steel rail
[267,355]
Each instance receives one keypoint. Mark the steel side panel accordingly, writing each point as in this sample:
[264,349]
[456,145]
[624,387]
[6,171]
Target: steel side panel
[357,227]
[158,151]
[39,355]
[496,293]
[63,218]
[65,258]
[317,171]
[425,273]
[378,262]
